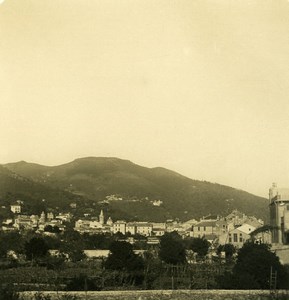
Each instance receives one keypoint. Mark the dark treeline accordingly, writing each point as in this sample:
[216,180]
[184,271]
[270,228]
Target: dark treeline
[176,263]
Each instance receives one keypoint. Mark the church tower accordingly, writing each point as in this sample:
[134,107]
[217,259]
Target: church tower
[101,217]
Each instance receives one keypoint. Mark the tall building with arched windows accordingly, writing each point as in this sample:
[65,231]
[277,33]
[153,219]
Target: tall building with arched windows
[279,214]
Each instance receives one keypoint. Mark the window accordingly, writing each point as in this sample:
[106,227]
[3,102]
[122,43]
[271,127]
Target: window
[198,228]
[241,239]
[235,237]
[230,240]
[204,228]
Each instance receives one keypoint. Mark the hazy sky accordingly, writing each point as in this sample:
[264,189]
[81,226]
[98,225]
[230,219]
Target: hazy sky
[197,86]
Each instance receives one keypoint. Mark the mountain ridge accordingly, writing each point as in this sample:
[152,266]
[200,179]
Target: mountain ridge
[95,178]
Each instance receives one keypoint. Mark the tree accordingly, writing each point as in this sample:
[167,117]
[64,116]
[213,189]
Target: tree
[73,250]
[172,249]
[122,257]
[10,241]
[73,245]
[8,293]
[52,229]
[35,248]
[253,267]
[229,250]
[200,246]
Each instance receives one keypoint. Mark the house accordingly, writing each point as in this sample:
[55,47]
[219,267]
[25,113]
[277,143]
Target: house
[16,208]
[235,219]
[188,224]
[144,228]
[131,228]
[238,236]
[158,229]
[64,217]
[7,225]
[204,228]
[171,225]
[82,225]
[24,222]
[119,226]
[89,226]
[157,202]
[73,205]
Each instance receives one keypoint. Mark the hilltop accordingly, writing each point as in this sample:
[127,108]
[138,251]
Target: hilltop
[135,187]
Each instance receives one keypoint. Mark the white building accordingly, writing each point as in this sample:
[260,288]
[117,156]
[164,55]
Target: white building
[237,236]
[16,208]
[119,226]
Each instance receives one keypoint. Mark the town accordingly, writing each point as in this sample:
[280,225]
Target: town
[235,228]
[64,252]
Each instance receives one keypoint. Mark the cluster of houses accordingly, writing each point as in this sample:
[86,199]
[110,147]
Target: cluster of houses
[46,221]
[236,228]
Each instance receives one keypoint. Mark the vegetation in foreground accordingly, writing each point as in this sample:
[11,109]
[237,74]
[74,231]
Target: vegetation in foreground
[174,264]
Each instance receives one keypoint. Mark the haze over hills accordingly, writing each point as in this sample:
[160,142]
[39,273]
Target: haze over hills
[95,178]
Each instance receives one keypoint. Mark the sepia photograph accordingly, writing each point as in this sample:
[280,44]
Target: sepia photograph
[144,149]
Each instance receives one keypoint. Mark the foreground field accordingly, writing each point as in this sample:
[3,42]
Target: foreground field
[165,295]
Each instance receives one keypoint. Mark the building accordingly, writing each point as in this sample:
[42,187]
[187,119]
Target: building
[131,228]
[119,226]
[158,229]
[24,222]
[203,229]
[235,219]
[237,236]
[16,208]
[144,228]
[109,221]
[279,214]
[101,217]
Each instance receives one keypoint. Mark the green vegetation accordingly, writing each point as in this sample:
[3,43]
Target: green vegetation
[8,292]
[229,250]
[172,249]
[253,267]
[199,246]
[122,257]
[35,248]
[164,266]
[92,179]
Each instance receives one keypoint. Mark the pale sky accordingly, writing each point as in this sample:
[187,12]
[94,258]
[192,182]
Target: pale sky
[197,86]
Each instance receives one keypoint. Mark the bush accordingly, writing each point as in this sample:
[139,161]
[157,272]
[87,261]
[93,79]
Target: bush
[253,267]
[82,283]
[8,293]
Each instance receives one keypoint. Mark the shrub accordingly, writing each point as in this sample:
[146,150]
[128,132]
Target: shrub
[8,293]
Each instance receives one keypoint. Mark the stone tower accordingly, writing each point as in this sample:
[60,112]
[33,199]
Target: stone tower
[101,217]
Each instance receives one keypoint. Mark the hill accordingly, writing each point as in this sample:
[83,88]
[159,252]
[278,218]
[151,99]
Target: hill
[95,178]
[36,196]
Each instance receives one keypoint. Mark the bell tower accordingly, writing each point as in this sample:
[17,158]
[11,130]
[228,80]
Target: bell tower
[101,217]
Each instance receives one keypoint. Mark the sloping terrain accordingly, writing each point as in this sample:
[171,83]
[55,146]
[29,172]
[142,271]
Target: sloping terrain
[95,178]
[35,195]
